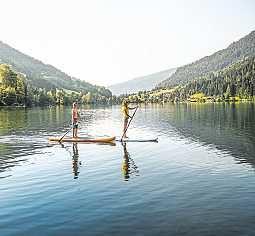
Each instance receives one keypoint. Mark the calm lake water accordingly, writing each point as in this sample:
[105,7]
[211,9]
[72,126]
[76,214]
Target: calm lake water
[197,180]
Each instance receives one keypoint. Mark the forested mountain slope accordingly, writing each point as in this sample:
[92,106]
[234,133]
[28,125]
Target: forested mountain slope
[236,51]
[232,83]
[45,76]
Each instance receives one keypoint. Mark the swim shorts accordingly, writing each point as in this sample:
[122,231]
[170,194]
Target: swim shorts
[75,125]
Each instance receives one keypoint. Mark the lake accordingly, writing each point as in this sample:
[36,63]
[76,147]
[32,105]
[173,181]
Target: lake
[197,180]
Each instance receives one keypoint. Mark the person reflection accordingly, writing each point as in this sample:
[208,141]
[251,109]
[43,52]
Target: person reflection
[128,165]
[76,162]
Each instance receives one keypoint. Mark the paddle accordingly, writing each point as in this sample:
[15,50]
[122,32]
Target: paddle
[65,134]
[128,124]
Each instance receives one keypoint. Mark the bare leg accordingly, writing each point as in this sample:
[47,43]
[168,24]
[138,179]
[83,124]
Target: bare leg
[73,132]
[124,128]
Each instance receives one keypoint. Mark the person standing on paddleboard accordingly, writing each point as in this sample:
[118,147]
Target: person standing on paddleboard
[75,116]
[125,111]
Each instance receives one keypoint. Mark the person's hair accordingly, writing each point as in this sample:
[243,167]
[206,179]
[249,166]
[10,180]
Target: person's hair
[125,102]
[74,104]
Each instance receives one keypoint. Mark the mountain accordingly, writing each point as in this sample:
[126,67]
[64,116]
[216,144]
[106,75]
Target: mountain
[141,83]
[234,52]
[233,83]
[45,76]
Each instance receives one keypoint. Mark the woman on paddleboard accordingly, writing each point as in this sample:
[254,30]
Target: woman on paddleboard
[75,116]
[125,111]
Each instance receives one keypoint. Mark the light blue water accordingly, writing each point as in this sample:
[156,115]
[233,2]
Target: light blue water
[197,180]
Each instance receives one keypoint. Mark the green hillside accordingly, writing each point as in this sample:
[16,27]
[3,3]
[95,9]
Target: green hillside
[233,83]
[236,51]
[40,75]
[15,90]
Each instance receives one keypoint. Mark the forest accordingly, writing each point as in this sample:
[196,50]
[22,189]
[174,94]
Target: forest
[245,47]
[26,81]
[16,90]
[233,83]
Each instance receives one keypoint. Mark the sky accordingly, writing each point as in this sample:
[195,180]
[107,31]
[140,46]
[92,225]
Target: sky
[110,41]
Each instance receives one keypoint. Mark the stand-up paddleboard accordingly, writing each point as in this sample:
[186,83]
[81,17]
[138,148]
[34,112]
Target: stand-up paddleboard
[83,140]
[137,140]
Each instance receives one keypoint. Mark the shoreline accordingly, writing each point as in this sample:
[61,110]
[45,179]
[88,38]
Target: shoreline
[160,103]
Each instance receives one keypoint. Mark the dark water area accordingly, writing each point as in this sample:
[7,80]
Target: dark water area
[197,180]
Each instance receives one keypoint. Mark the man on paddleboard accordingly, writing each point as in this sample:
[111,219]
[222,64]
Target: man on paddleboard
[125,111]
[75,116]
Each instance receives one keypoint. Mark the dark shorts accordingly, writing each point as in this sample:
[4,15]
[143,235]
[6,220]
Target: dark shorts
[75,125]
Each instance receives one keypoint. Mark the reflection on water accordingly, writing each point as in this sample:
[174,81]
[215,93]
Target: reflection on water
[76,162]
[25,132]
[129,168]
[229,128]
[189,184]
[74,154]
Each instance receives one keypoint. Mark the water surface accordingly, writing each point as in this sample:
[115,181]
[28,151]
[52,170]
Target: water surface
[197,180]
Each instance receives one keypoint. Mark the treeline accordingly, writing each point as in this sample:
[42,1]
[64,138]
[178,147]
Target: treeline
[232,83]
[16,90]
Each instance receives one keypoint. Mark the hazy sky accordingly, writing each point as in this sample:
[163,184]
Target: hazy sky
[110,41]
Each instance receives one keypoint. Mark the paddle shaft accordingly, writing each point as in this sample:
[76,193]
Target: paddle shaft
[129,123]
[65,134]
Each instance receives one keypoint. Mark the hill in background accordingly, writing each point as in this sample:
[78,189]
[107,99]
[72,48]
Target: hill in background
[141,83]
[236,51]
[45,76]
